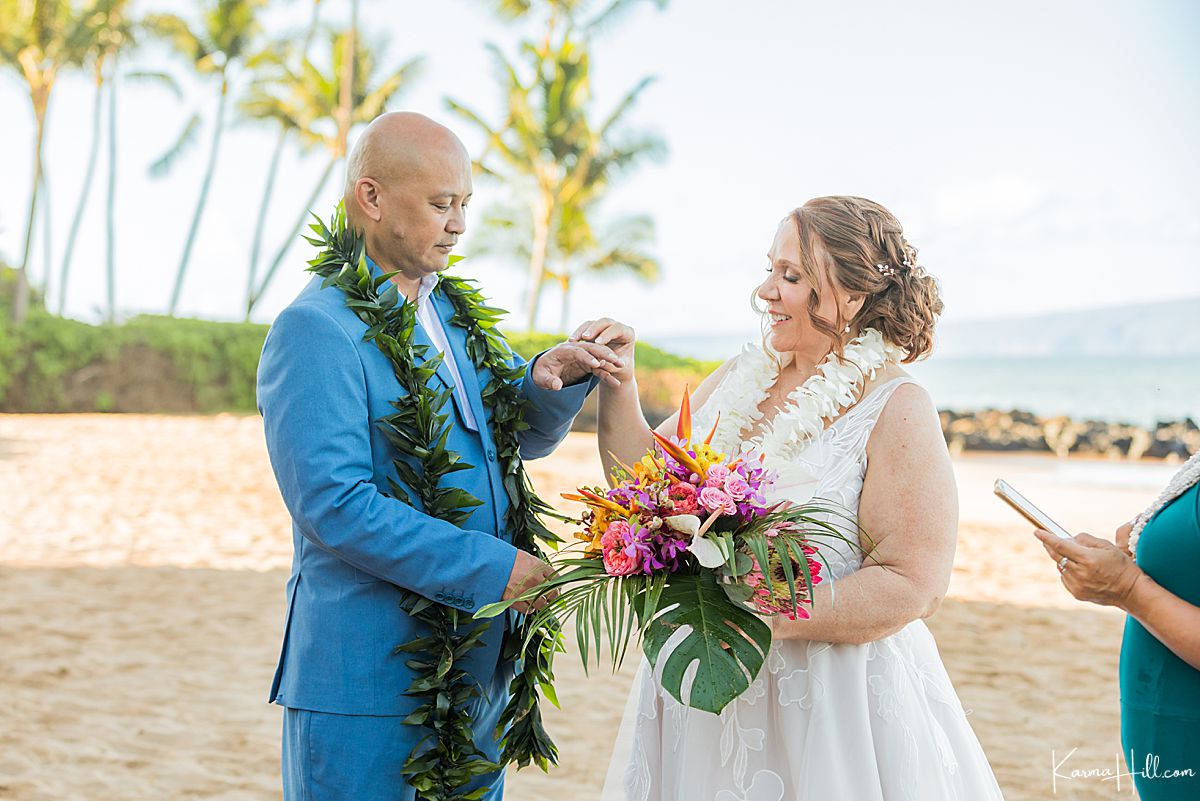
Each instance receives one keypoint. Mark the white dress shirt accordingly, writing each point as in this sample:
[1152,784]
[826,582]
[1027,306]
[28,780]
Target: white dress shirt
[428,319]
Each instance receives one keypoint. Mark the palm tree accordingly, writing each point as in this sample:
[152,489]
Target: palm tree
[285,132]
[223,39]
[346,78]
[565,10]
[621,245]
[308,101]
[111,30]
[550,144]
[38,38]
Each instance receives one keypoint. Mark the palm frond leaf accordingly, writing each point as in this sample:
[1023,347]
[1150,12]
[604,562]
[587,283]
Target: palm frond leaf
[163,79]
[187,137]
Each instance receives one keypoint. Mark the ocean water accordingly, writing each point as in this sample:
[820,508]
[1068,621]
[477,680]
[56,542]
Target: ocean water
[1118,389]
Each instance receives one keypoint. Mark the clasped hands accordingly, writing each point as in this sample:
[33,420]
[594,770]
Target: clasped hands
[603,348]
[1095,570]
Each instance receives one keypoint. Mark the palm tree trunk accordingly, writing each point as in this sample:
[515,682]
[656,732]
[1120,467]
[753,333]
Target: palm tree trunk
[256,247]
[287,243]
[47,240]
[271,173]
[21,293]
[346,89]
[84,192]
[564,281]
[537,259]
[110,270]
[208,175]
[312,26]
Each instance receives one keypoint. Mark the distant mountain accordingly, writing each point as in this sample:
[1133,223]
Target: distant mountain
[1168,328]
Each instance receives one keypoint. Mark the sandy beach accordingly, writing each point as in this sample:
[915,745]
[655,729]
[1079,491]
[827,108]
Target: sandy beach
[142,570]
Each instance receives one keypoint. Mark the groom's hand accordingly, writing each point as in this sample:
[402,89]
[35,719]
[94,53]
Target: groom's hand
[528,571]
[569,362]
[617,336]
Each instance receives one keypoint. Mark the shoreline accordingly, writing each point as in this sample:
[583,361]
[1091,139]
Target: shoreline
[992,432]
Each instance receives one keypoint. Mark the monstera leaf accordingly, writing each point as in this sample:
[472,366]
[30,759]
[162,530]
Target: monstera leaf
[728,661]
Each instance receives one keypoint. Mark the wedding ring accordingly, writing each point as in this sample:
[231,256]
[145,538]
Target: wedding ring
[1062,564]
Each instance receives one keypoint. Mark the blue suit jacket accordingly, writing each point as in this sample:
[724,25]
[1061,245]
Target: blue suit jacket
[321,389]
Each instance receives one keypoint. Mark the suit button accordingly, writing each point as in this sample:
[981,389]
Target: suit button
[491,456]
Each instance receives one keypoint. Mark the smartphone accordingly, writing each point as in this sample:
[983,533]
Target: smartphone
[1027,510]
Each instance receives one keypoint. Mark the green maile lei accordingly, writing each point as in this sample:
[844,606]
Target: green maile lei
[446,759]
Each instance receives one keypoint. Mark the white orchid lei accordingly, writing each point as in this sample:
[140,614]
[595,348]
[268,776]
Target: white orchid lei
[834,388]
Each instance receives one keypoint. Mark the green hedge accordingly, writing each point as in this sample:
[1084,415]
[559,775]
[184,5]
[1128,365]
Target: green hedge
[159,364]
[163,364]
[647,356]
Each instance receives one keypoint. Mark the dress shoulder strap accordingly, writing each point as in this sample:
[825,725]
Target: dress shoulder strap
[859,421]
[877,398]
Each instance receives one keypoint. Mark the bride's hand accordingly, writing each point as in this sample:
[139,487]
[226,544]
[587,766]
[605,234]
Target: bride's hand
[779,628]
[617,336]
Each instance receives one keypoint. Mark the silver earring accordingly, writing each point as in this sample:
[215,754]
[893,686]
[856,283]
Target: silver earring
[846,330]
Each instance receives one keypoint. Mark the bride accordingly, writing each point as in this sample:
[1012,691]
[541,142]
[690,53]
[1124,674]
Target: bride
[852,703]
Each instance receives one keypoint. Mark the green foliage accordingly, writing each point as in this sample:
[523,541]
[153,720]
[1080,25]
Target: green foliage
[148,364]
[647,357]
[703,612]
[48,352]
[224,33]
[165,364]
[727,660]
[561,157]
[726,640]
[306,100]
[217,362]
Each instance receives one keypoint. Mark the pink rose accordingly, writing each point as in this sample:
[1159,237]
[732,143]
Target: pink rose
[682,498]
[615,536]
[714,500]
[715,476]
[619,563]
[736,487]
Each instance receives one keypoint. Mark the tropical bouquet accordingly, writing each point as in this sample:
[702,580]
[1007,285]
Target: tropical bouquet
[685,551]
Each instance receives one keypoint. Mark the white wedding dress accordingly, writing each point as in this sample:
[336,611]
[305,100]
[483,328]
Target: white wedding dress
[822,722]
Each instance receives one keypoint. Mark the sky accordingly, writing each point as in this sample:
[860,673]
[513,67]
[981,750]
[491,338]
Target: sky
[1041,155]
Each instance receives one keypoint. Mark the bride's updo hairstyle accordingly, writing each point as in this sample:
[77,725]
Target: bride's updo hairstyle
[860,246]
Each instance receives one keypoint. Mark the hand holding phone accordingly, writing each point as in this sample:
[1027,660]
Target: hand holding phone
[1027,510]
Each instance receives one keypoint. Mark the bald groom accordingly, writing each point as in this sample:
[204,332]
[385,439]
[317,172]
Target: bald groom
[321,389]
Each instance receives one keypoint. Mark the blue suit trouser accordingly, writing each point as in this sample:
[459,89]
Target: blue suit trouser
[330,757]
